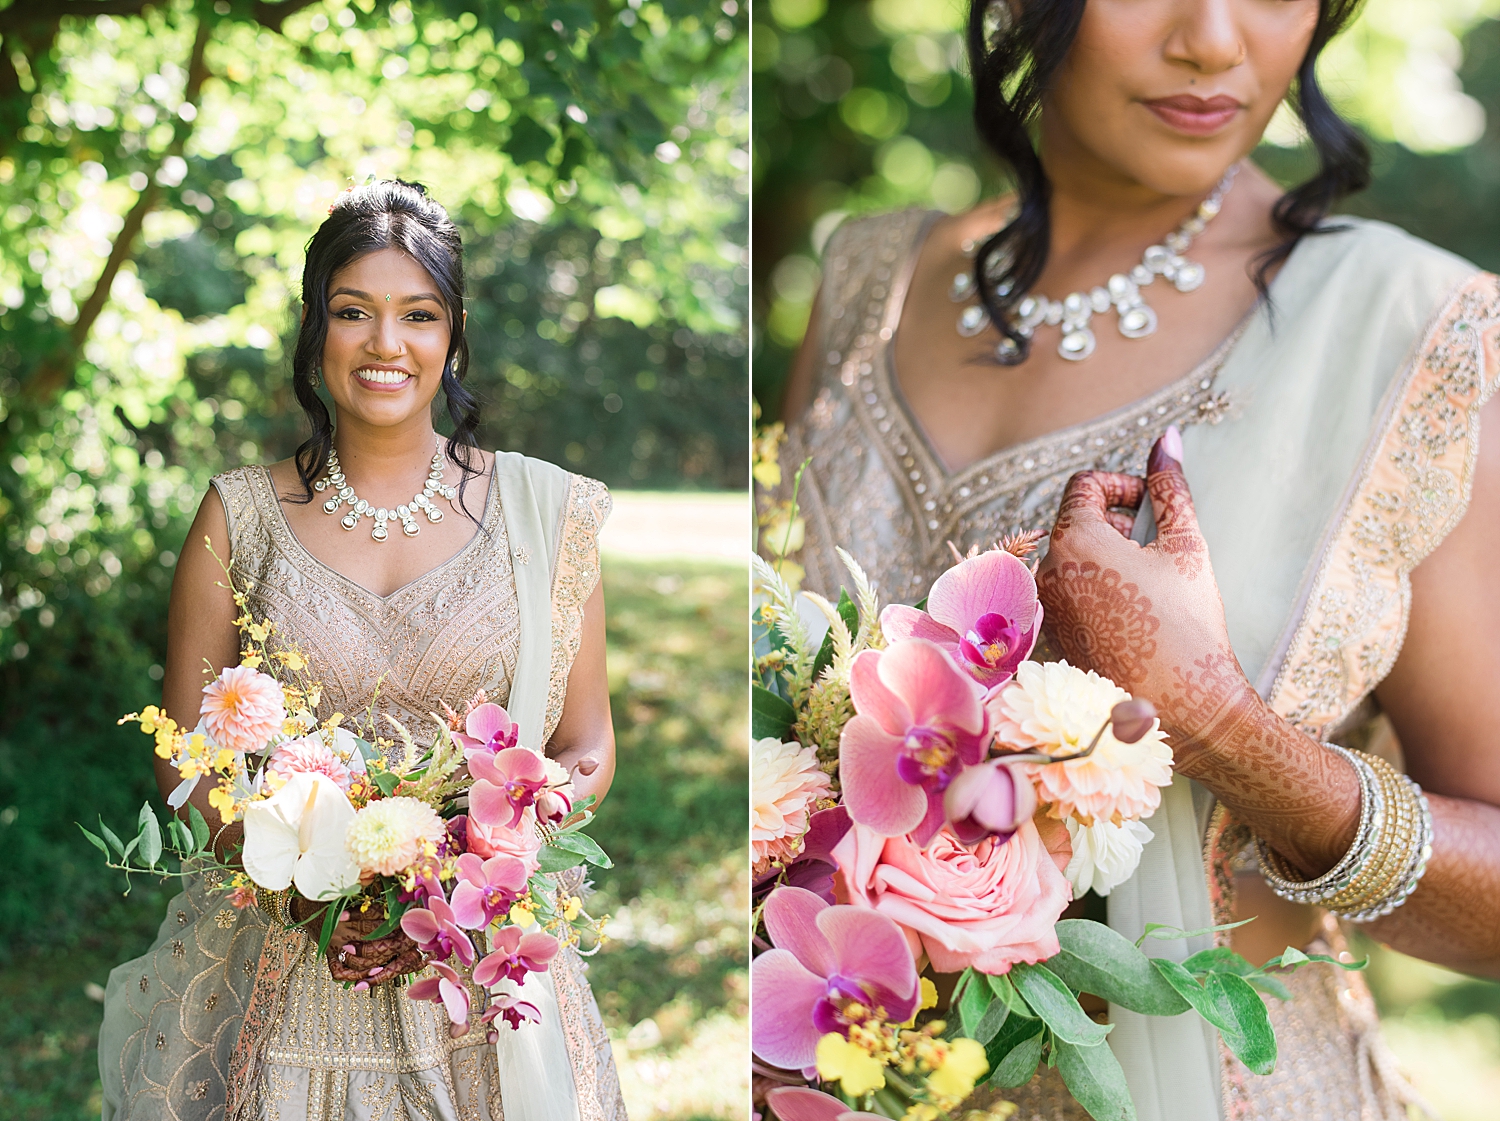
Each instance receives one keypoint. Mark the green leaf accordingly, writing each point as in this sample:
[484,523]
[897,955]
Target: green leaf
[973,1001]
[1096,959]
[1016,1065]
[770,716]
[1172,934]
[114,842]
[552,859]
[150,836]
[1093,1076]
[1253,1040]
[1000,985]
[1219,959]
[386,781]
[394,909]
[585,846]
[367,750]
[992,1021]
[1055,1003]
[1231,1005]
[1292,956]
[97,842]
[330,920]
[201,835]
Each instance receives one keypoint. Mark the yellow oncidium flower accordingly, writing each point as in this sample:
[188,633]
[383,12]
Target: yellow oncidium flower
[259,631]
[224,760]
[929,999]
[921,1111]
[521,915]
[251,661]
[855,1069]
[960,1064]
[572,907]
[293,660]
[223,801]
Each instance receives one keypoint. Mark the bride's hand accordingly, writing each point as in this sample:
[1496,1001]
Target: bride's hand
[1149,617]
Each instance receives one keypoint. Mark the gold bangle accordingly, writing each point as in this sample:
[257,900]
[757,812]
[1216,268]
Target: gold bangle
[1395,851]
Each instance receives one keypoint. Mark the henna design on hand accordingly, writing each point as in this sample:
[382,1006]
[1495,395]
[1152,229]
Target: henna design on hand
[1098,620]
[1178,535]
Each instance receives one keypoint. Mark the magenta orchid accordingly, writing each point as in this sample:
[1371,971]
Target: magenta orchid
[447,989]
[435,929]
[486,888]
[826,958]
[515,955]
[513,1011]
[504,785]
[983,612]
[989,800]
[919,720]
[487,727]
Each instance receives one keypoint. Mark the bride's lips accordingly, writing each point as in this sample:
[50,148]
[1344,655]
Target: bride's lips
[1195,116]
[383,379]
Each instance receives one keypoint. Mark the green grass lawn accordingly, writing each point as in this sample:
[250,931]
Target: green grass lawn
[672,978]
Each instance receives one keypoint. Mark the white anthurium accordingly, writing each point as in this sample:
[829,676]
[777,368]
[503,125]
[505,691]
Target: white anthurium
[296,836]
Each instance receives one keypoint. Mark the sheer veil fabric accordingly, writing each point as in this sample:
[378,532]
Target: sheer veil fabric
[1330,445]
[204,1027]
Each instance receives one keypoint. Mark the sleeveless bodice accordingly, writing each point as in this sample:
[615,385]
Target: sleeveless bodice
[875,485]
[454,630]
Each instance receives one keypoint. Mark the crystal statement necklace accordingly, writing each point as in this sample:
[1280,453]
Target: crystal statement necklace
[1074,312]
[359,508]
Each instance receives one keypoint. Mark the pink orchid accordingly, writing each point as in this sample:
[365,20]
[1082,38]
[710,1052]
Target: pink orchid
[486,888]
[504,784]
[827,957]
[487,727]
[447,989]
[919,720]
[435,929]
[983,612]
[552,806]
[516,955]
[799,1103]
[514,1012]
[989,800]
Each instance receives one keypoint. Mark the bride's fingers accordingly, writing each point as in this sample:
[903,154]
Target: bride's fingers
[1171,500]
[1090,495]
[1122,521]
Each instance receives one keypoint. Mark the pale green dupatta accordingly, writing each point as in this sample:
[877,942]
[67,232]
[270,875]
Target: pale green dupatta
[551,520]
[1348,454]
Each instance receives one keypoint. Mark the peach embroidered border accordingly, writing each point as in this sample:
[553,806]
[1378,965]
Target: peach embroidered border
[574,576]
[1412,491]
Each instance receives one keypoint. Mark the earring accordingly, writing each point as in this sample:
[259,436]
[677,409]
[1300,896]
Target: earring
[313,379]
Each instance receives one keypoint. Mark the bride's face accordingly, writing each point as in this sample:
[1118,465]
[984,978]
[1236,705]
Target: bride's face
[1169,93]
[388,333]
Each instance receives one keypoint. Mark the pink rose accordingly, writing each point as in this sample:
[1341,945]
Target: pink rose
[521,842]
[988,906]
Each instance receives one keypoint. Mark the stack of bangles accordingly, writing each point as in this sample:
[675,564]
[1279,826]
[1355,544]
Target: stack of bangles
[1392,845]
[277,905]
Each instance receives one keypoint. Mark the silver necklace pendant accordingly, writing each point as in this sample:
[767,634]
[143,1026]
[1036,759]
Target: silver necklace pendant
[405,513]
[1122,292]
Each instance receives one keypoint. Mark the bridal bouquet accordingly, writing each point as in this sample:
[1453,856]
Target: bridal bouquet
[450,843]
[923,796]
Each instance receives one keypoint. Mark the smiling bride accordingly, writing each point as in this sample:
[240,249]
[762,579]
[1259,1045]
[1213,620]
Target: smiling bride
[492,584]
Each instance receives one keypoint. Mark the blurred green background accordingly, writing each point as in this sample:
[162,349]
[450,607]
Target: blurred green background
[863,105]
[161,167]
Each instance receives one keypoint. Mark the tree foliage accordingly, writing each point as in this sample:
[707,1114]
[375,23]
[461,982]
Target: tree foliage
[162,165]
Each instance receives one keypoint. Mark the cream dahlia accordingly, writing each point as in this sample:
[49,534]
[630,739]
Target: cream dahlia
[242,709]
[388,836]
[1057,708]
[785,785]
[1105,855]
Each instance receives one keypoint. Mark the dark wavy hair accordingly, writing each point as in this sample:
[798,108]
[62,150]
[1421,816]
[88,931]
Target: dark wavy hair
[1015,49]
[385,214]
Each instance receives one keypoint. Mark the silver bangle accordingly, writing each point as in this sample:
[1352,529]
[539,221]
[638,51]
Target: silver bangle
[1372,811]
